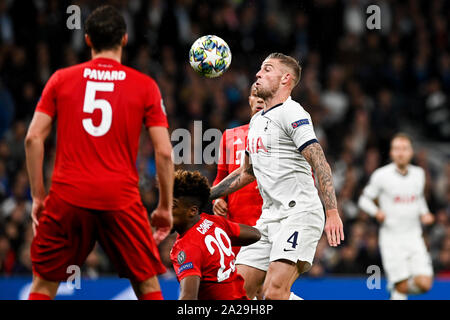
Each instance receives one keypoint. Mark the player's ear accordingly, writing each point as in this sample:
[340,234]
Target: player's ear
[193,211]
[124,40]
[285,78]
[88,40]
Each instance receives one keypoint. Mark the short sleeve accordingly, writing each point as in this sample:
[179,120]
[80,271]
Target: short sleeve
[187,262]
[222,170]
[155,113]
[47,101]
[298,125]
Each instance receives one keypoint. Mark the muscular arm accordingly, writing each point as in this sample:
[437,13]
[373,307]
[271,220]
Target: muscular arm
[333,226]
[164,164]
[161,217]
[316,158]
[189,288]
[38,131]
[247,236]
[234,181]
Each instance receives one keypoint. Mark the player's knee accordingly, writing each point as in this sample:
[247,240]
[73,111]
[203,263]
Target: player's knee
[402,286]
[43,286]
[146,286]
[424,283]
[276,291]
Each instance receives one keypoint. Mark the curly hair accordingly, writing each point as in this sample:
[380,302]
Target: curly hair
[191,184]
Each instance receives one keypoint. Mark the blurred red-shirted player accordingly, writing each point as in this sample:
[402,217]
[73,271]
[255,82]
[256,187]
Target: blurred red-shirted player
[243,206]
[100,107]
[202,255]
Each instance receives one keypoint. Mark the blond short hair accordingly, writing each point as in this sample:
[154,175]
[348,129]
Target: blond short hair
[289,62]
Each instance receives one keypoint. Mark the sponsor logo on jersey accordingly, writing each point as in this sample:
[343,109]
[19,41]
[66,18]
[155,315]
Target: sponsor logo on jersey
[405,198]
[299,123]
[204,226]
[186,266]
[254,145]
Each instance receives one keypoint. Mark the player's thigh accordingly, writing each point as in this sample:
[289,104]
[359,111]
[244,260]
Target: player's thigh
[296,239]
[257,254]
[64,237]
[420,263]
[395,262]
[126,237]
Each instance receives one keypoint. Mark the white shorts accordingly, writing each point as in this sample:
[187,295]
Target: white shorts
[293,238]
[404,258]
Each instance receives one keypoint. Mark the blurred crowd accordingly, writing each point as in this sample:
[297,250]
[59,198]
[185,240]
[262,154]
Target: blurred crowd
[360,86]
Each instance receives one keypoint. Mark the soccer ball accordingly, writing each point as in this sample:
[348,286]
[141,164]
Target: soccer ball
[210,56]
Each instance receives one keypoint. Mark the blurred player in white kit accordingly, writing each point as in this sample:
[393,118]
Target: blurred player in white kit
[399,188]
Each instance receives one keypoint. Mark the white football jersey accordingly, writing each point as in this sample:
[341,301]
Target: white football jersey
[275,140]
[400,197]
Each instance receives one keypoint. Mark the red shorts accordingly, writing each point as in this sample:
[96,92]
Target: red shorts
[66,234]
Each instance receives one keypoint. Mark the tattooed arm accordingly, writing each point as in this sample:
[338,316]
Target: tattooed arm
[234,181]
[316,158]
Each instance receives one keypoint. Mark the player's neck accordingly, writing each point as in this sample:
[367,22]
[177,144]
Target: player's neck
[108,54]
[402,169]
[189,225]
[276,100]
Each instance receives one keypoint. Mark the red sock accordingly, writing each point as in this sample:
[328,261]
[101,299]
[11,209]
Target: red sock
[155,295]
[38,296]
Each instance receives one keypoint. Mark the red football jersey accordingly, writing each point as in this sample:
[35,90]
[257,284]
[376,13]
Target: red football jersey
[100,106]
[244,205]
[205,251]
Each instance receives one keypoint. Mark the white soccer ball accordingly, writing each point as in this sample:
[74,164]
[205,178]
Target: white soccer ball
[210,56]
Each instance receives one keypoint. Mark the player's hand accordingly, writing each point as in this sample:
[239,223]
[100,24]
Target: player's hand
[334,229]
[220,207]
[380,216]
[36,209]
[427,219]
[161,219]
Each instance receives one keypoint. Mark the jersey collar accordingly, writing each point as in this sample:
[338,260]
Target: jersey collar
[275,106]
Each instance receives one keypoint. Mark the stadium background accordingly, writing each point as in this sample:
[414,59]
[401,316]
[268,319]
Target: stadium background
[360,86]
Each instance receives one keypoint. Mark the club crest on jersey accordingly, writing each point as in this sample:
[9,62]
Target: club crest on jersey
[299,123]
[181,257]
[204,226]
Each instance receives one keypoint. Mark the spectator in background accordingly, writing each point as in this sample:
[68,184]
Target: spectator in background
[373,82]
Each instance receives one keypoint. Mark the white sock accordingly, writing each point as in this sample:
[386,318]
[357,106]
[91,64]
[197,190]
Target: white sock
[412,287]
[395,295]
[294,297]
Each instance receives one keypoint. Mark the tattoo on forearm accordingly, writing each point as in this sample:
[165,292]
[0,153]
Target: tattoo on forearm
[316,158]
[225,186]
[233,182]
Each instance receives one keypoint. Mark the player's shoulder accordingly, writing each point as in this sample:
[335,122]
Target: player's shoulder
[384,171]
[291,106]
[256,116]
[416,169]
[291,111]
[69,71]
[235,130]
